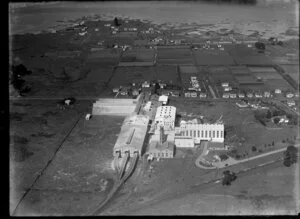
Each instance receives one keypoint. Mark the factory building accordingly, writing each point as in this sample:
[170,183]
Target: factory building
[161,145]
[114,106]
[187,133]
[165,117]
[132,135]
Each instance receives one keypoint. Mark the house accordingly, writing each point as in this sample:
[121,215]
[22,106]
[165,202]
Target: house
[289,95]
[258,95]
[232,95]
[202,95]
[241,95]
[225,95]
[116,89]
[135,92]
[241,104]
[175,93]
[146,84]
[227,88]
[249,95]
[277,91]
[187,94]
[193,94]
[225,84]
[291,103]
[163,99]
[124,91]
[267,94]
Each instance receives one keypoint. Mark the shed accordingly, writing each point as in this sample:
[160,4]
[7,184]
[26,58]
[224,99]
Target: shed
[163,99]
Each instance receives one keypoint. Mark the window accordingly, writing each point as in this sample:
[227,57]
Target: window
[182,133]
[191,133]
[162,154]
[198,133]
[166,154]
[202,134]
[195,134]
[209,134]
[222,134]
[213,134]
[187,133]
[217,134]
[158,154]
[205,133]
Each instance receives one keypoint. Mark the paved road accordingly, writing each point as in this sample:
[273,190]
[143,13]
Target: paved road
[232,161]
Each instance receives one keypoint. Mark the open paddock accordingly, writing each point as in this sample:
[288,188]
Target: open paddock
[246,79]
[138,55]
[125,75]
[267,75]
[292,71]
[239,70]
[167,73]
[175,61]
[241,50]
[252,60]
[174,53]
[262,69]
[278,83]
[209,59]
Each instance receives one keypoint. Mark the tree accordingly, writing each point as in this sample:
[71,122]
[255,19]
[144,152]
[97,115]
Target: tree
[260,45]
[276,120]
[228,177]
[272,143]
[280,43]
[269,115]
[290,155]
[253,148]
[116,22]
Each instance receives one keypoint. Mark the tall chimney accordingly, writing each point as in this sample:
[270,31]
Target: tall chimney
[161,135]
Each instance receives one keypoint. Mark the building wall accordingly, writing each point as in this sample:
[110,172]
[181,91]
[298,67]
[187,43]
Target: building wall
[164,153]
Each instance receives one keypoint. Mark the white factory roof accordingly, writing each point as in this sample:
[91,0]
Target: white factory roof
[166,112]
[163,98]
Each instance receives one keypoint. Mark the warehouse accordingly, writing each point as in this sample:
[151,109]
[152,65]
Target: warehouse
[165,117]
[132,135]
[108,106]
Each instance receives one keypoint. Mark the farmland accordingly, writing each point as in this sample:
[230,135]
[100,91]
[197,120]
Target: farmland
[292,70]
[125,75]
[167,73]
[203,58]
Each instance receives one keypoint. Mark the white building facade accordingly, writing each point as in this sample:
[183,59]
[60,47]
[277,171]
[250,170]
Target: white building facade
[199,132]
[165,117]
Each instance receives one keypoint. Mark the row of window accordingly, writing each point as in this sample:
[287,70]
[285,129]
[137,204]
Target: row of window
[203,134]
[162,154]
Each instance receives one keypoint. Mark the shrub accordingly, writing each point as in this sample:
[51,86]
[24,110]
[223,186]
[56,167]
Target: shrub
[228,177]
[290,155]
[254,148]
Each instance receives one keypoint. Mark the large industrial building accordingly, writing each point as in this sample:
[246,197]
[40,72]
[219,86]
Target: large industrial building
[161,145]
[132,135]
[114,106]
[165,117]
[188,134]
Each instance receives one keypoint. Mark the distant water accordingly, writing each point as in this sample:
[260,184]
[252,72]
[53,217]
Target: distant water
[267,17]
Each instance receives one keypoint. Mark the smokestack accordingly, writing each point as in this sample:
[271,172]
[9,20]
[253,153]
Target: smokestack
[161,135]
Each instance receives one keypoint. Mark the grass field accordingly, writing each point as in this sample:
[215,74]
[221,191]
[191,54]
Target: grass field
[167,73]
[210,59]
[292,70]
[174,54]
[278,83]
[72,183]
[125,75]
[252,60]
